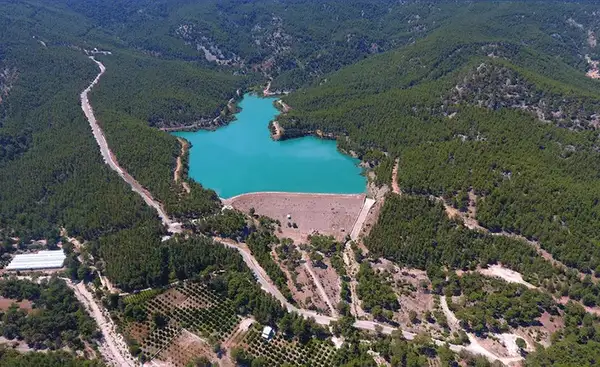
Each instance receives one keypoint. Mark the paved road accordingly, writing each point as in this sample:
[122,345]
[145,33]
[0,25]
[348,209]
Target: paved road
[111,160]
[360,220]
[262,277]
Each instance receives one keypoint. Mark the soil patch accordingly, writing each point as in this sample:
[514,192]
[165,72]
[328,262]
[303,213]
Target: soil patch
[306,293]
[328,214]
[5,303]
[330,281]
[187,346]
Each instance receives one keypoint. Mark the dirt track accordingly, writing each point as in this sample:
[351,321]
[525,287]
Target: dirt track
[113,349]
[111,160]
[474,346]
[179,167]
[395,185]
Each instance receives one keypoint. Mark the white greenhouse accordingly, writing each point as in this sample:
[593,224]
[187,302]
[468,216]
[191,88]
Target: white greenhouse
[50,259]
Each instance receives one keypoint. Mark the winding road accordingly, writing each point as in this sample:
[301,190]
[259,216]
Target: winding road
[115,349]
[111,160]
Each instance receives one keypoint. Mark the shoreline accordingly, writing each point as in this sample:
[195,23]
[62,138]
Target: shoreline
[225,117]
[110,159]
[288,193]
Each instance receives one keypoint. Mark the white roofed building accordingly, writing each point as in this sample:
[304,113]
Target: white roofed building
[267,332]
[50,259]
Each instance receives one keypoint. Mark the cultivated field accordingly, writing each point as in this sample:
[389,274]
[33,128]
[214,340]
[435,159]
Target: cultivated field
[190,314]
[278,350]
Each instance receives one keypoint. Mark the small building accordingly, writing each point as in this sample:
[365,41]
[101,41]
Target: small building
[50,259]
[267,333]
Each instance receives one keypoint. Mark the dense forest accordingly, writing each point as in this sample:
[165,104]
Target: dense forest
[484,99]
[12,358]
[57,319]
[492,305]
[431,105]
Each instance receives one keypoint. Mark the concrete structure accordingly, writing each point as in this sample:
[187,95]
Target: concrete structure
[42,260]
[267,333]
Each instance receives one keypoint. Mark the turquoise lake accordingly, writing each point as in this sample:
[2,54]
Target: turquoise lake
[242,157]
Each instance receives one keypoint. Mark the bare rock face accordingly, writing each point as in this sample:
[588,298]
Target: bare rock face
[495,86]
[8,76]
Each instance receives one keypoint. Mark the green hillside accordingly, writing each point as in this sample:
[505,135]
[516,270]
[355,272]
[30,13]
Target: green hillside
[462,112]
[485,105]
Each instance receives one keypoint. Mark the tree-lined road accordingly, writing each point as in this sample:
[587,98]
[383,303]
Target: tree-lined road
[111,160]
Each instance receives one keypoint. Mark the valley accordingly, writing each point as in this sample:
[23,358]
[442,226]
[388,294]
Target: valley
[298,183]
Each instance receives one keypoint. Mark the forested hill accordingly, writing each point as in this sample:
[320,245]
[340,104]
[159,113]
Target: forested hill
[495,102]
[291,41]
[485,105]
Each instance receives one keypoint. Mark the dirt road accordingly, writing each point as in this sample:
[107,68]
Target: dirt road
[113,348]
[395,185]
[474,346]
[111,160]
[179,166]
[268,286]
[352,268]
[360,220]
[317,282]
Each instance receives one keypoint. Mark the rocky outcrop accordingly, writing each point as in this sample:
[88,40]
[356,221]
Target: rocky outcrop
[8,77]
[496,86]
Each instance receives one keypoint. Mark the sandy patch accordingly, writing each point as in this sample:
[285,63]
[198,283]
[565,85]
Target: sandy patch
[541,334]
[187,346]
[494,346]
[302,286]
[306,292]
[412,296]
[507,275]
[329,214]
[277,132]
[551,323]
[5,303]
[395,185]
[593,71]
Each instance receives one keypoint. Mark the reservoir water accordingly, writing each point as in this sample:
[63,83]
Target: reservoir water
[242,157]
